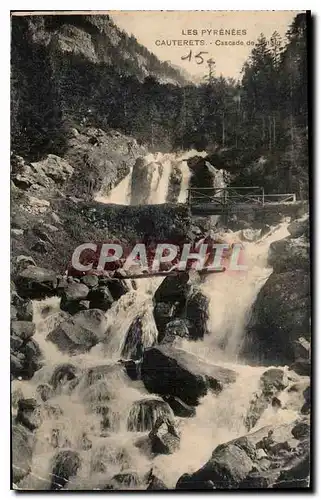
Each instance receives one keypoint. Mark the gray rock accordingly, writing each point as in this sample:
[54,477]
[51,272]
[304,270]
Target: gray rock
[100,298]
[72,338]
[62,374]
[289,254]
[145,412]
[301,430]
[197,315]
[36,282]
[72,295]
[227,468]
[177,328]
[23,307]
[300,227]
[180,408]
[163,438]
[23,329]
[170,371]
[90,280]
[65,465]
[93,320]
[272,382]
[29,414]
[163,314]
[24,261]
[280,316]
[156,484]
[22,448]
[45,392]
[174,289]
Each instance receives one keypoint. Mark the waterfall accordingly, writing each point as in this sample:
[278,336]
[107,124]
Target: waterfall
[149,179]
[218,418]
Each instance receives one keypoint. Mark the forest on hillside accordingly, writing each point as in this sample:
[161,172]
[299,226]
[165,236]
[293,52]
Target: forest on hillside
[257,128]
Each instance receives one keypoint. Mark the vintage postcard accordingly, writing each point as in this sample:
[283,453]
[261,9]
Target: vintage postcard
[160,250]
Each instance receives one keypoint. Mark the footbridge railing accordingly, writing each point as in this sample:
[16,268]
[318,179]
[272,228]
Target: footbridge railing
[228,196]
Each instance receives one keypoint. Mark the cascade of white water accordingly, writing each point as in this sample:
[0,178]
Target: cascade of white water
[218,419]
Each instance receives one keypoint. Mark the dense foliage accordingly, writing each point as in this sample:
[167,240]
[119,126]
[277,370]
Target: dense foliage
[256,128]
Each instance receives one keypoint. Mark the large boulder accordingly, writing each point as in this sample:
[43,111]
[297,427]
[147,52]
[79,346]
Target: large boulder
[145,412]
[93,320]
[197,315]
[73,338]
[289,254]
[123,481]
[24,330]
[280,316]
[163,314]
[65,465]
[36,282]
[62,374]
[22,446]
[167,370]
[174,289]
[117,288]
[72,295]
[48,173]
[164,438]
[177,328]
[23,307]
[100,298]
[29,414]
[142,333]
[272,382]
[226,469]
[25,354]
[300,227]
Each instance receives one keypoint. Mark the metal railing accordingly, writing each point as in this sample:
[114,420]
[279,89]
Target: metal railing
[224,197]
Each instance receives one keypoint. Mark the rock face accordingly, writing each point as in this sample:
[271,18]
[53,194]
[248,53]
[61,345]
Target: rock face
[170,371]
[280,315]
[289,254]
[49,173]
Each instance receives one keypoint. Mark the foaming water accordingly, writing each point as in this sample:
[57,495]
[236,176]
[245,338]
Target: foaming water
[155,171]
[76,417]
[120,194]
[232,293]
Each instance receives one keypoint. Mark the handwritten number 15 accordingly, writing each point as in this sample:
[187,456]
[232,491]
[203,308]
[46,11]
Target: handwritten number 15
[198,56]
